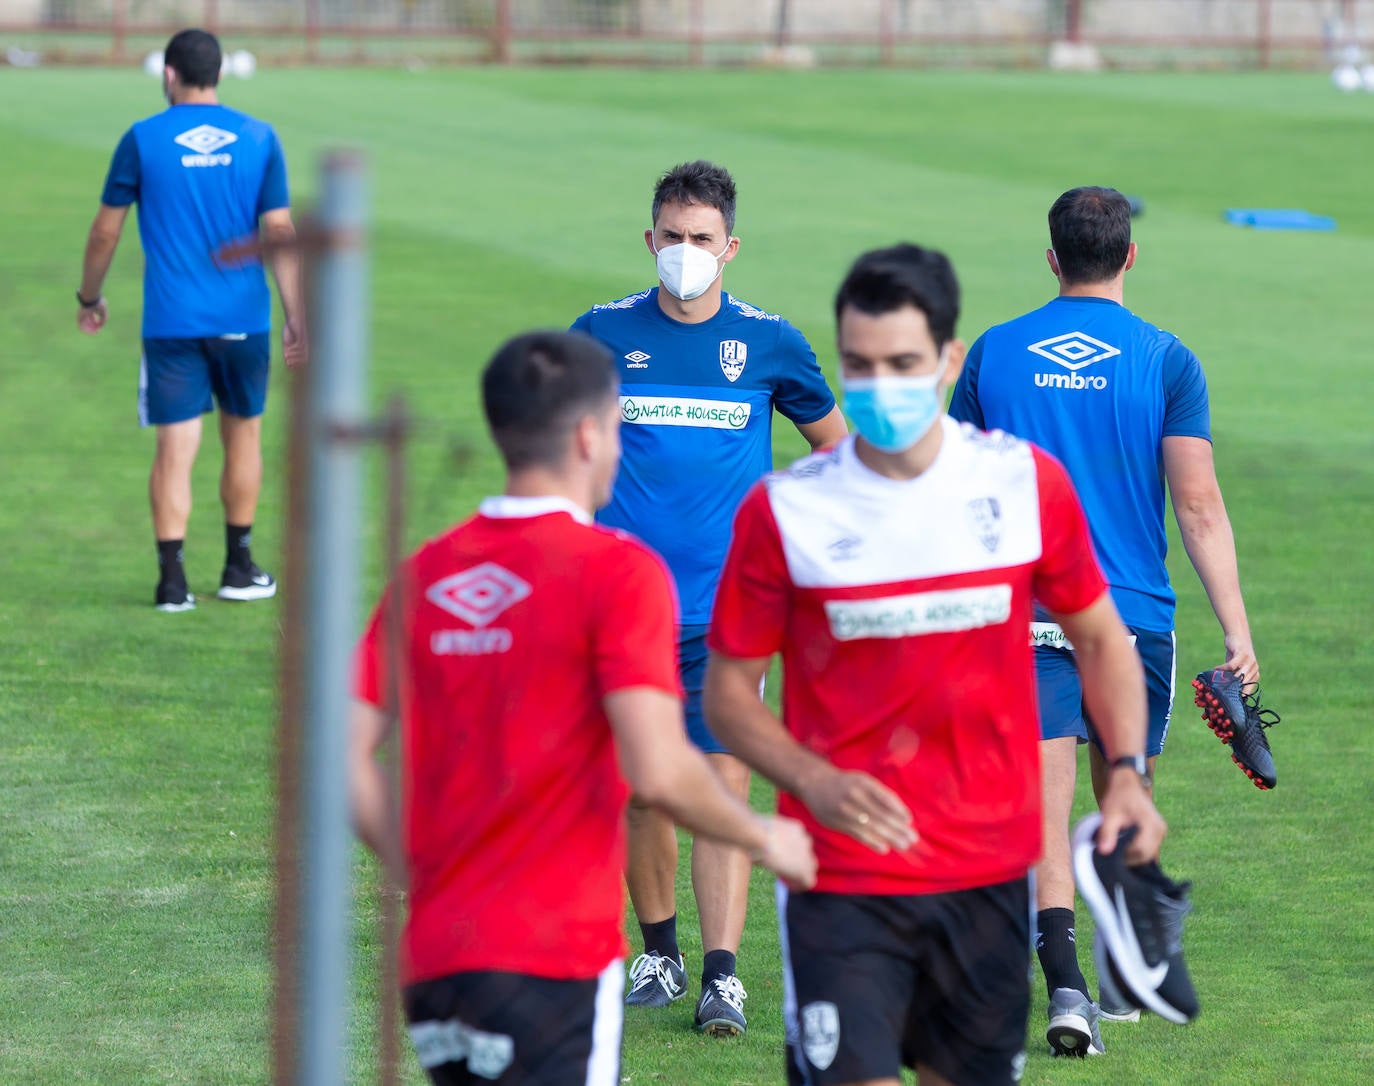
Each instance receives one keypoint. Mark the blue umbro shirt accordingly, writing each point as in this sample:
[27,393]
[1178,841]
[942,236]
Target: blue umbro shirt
[1099,388]
[201,175]
[696,409]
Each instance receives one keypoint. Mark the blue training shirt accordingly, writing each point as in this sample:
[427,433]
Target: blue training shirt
[696,409]
[1099,388]
[201,175]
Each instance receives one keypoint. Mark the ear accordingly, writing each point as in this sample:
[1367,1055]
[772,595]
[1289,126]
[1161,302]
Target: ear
[1130,257]
[1053,258]
[649,241]
[955,350]
[584,439]
[731,250]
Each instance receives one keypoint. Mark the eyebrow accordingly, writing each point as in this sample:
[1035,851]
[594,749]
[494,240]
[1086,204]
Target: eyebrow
[905,356]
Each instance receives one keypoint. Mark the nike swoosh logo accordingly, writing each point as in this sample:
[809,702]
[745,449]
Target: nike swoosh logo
[1153,974]
[262,579]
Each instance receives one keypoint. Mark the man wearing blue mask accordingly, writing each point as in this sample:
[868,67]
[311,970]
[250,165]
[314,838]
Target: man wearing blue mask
[894,573]
[701,373]
[1123,405]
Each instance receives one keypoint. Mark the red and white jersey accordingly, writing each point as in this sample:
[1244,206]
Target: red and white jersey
[517,625]
[900,609]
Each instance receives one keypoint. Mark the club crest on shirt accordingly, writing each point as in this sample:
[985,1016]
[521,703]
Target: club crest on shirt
[985,518]
[820,1033]
[733,355]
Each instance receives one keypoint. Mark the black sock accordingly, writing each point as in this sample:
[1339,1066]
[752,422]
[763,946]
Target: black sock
[661,938]
[237,537]
[1054,946]
[170,569]
[717,963]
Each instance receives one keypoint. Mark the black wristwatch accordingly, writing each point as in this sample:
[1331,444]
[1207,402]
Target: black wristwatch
[1138,762]
[85,304]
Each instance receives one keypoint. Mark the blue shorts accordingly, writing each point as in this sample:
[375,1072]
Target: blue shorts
[692,655]
[1062,712]
[181,379]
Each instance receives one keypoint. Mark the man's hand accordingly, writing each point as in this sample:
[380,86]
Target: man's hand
[1127,802]
[857,804]
[91,318]
[295,347]
[787,853]
[1240,658]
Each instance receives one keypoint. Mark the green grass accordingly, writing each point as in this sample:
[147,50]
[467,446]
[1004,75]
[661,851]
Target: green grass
[136,795]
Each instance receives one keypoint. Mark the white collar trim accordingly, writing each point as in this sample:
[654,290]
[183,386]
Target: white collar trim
[511,507]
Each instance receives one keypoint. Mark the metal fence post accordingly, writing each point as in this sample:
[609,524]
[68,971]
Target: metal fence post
[337,373]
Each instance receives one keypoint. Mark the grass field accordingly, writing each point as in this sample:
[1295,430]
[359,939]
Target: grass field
[136,789]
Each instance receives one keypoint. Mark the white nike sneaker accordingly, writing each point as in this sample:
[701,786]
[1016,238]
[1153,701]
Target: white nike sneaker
[246,584]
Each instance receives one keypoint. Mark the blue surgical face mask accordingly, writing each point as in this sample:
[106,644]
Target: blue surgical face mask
[893,413]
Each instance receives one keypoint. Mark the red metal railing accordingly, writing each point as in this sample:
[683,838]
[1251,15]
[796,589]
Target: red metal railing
[504,31]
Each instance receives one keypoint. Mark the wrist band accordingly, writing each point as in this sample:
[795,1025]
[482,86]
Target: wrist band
[85,304]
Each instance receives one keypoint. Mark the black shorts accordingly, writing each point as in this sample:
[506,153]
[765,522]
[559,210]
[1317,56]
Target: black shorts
[873,983]
[518,1030]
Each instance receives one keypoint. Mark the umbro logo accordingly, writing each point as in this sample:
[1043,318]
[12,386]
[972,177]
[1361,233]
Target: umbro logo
[1074,350]
[478,595]
[637,360]
[206,139]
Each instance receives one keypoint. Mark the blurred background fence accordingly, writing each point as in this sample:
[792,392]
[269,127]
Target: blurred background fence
[1113,33]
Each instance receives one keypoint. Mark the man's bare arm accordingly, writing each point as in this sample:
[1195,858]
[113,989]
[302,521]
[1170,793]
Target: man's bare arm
[824,431]
[1207,537]
[851,802]
[101,243]
[278,234]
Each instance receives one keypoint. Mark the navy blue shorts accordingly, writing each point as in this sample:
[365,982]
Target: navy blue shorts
[181,379]
[1062,712]
[692,655]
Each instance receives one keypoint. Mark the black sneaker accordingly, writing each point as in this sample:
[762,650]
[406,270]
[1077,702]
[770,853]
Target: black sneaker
[246,584]
[656,981]
[1139,914]
[720,1010]
[173,596]
[1239,721]
[1073,1024]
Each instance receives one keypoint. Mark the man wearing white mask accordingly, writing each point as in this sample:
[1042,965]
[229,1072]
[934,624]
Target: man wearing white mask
[894,574]
[701,373]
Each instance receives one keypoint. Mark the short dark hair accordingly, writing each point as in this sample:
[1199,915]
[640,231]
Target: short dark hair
[537,386]
[195,55]
[698,182]
[884,280]
[1090,229]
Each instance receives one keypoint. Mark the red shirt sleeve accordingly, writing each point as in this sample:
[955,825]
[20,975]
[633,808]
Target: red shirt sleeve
[635,636]
[367,662]
[1067,577]
[754,597]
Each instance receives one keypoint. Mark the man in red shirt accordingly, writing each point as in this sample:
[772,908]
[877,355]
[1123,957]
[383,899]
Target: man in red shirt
[894,572]
[538,685]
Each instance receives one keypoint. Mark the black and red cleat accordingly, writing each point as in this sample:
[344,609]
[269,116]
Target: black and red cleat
[1239,721]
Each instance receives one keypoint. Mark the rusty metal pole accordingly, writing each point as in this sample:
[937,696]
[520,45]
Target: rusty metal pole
[501,33]
[1073,20]
[395,430]
[1266,31]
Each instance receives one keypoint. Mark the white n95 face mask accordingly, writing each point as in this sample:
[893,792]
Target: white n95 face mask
[686,270]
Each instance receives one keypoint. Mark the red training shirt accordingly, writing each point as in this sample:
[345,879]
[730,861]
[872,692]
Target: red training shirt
[901,609]
[518,623]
